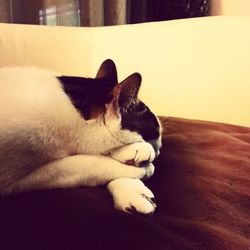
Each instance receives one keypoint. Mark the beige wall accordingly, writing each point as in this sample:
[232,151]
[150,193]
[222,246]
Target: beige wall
[230,7]
[195,68]
[66,50]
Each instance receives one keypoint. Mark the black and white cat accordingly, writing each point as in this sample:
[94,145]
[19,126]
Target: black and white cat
[60,132]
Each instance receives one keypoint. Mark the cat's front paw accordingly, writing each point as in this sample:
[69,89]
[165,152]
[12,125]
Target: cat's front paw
[149,171]
[131,195]
[135,154]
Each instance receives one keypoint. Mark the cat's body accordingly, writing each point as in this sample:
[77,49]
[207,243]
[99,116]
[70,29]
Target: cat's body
[56,131]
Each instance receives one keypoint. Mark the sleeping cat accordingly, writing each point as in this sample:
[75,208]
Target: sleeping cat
[61,132]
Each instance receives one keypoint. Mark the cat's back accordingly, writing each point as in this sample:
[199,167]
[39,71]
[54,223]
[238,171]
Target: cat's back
[23,75]
[27,92]
[34,108]
[34,85]
[36,117]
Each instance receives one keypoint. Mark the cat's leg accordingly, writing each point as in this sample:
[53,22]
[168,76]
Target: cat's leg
[75,171]
[131,195]
[139,153]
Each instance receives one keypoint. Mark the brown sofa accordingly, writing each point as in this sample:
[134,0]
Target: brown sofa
[202,189]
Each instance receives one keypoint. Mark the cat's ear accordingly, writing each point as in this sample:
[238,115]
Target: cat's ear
[112,108]
[108,70]
[123,94]
[129,89]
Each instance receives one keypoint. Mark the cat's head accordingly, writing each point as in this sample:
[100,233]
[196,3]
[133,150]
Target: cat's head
[127,118]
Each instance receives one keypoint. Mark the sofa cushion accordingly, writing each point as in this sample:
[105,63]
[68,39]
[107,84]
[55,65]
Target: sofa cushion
[202,188]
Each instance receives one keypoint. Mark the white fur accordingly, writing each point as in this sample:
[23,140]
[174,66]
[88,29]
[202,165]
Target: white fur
[65,150]
[36,100]
[138,152]
[131,194]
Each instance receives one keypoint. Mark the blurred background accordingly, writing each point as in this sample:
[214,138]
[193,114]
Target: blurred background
[99,12]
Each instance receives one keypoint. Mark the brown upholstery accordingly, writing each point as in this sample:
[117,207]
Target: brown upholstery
[202,188]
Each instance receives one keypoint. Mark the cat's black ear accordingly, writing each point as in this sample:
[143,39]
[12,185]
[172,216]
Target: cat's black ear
[123,94]
[129,88]
[108,70]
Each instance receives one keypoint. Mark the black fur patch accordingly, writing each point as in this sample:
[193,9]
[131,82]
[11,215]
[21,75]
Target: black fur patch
[87,93]
[138,118]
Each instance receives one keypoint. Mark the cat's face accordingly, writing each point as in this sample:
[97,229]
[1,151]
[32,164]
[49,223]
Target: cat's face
[140,119]
[124,118]
[134,120]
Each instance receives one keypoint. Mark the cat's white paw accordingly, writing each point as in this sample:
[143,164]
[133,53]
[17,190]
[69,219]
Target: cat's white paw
[131,195]
[135,154]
